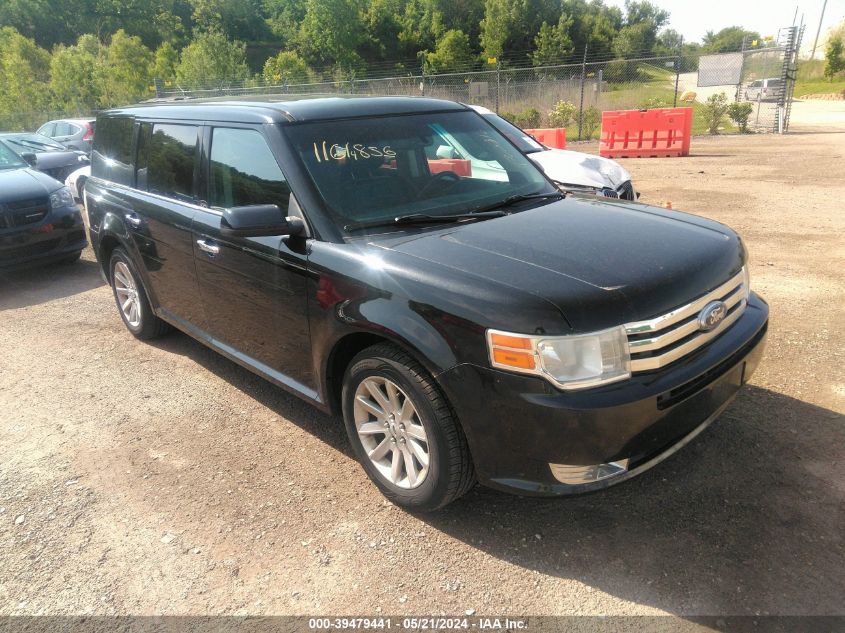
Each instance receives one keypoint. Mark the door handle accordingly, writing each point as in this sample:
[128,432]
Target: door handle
[133,220]
[211,249]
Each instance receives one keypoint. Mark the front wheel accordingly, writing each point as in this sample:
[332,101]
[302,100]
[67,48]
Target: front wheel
[403,431]
[131,299]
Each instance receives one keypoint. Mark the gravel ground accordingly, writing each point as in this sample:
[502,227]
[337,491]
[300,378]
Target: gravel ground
[162,479]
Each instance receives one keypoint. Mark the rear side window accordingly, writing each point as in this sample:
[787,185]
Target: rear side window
[171,160]
[47,129]
[244,170]
[112,155]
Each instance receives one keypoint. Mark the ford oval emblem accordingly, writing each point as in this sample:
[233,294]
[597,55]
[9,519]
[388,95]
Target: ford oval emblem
[712,315]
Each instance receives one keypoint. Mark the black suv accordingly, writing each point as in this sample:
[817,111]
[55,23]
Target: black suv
[468,322]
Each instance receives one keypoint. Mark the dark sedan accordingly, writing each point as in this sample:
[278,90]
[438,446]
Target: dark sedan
[45,154]
[39,220]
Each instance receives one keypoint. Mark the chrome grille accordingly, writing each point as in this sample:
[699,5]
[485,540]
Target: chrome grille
[657,342]
[626,191]
[23,212]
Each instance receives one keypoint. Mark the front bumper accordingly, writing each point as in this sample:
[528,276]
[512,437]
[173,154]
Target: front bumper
[60,234]
[528,437]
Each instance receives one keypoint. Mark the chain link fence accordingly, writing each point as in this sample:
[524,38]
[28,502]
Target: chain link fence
[761,76]
[526,96]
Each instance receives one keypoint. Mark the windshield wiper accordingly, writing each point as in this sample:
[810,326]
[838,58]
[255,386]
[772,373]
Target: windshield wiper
[423,218]
[34,144]
[511,200]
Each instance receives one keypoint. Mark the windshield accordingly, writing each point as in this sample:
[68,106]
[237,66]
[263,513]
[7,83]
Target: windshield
[8,158]
[525,143]
[437,164]
[34,142]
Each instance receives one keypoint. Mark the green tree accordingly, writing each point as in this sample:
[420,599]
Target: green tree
[124,74]
[728,39]
[639,12]
[553,43]
[212,59]
[287,67]
[34,19]
[669,42]
[453,53]
[634,40]
[383,24]
[595,25]
[495,27]
[73,76]
[165,62]
[143,18]
[834,62]
[639,35]
[332,31]
[237,19]
[24,76]
[284,18]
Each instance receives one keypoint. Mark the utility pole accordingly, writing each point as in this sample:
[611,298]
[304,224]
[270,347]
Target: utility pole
[819,30]
[581,106]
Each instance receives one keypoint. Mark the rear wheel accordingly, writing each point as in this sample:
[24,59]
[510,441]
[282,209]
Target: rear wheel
[131,299]
[403,431]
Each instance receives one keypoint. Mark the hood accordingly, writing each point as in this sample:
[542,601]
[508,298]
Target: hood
[21,184]
[601,263]
[577,168]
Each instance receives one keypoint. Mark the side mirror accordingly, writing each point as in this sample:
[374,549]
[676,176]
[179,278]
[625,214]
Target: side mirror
[30,158]
[259,220]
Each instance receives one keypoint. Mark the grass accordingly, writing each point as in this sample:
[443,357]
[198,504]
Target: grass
[811,79]
[816,86]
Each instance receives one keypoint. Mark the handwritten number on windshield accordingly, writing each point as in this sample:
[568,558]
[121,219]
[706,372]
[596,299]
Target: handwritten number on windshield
[356,151]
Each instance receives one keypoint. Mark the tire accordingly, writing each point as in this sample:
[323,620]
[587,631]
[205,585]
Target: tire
[126,283]
[449,472]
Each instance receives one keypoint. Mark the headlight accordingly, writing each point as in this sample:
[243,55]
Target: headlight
[569,362]
[61,198]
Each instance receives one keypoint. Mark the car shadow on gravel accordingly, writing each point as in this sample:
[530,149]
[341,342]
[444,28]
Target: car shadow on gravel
[324,427]
[746,519]
[33,286]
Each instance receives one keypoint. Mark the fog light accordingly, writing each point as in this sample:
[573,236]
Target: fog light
[573,475]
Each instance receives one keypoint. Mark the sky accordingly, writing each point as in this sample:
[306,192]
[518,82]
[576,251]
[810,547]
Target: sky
[694,19]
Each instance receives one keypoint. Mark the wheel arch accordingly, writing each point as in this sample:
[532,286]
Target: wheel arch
[348,347]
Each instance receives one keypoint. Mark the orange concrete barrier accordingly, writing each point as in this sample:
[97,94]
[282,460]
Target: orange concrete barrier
[646,133]
[550,137]
[457,166]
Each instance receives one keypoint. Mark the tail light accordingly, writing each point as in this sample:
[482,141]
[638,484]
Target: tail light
[89,132]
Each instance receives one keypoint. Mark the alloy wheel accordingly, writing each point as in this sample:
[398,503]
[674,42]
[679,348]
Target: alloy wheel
[391,432]
[127,294]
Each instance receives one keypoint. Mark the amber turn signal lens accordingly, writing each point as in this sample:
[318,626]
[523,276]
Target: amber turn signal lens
[516,342]
[519,360]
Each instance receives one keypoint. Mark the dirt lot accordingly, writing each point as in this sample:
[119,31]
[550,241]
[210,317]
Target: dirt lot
[163,479]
